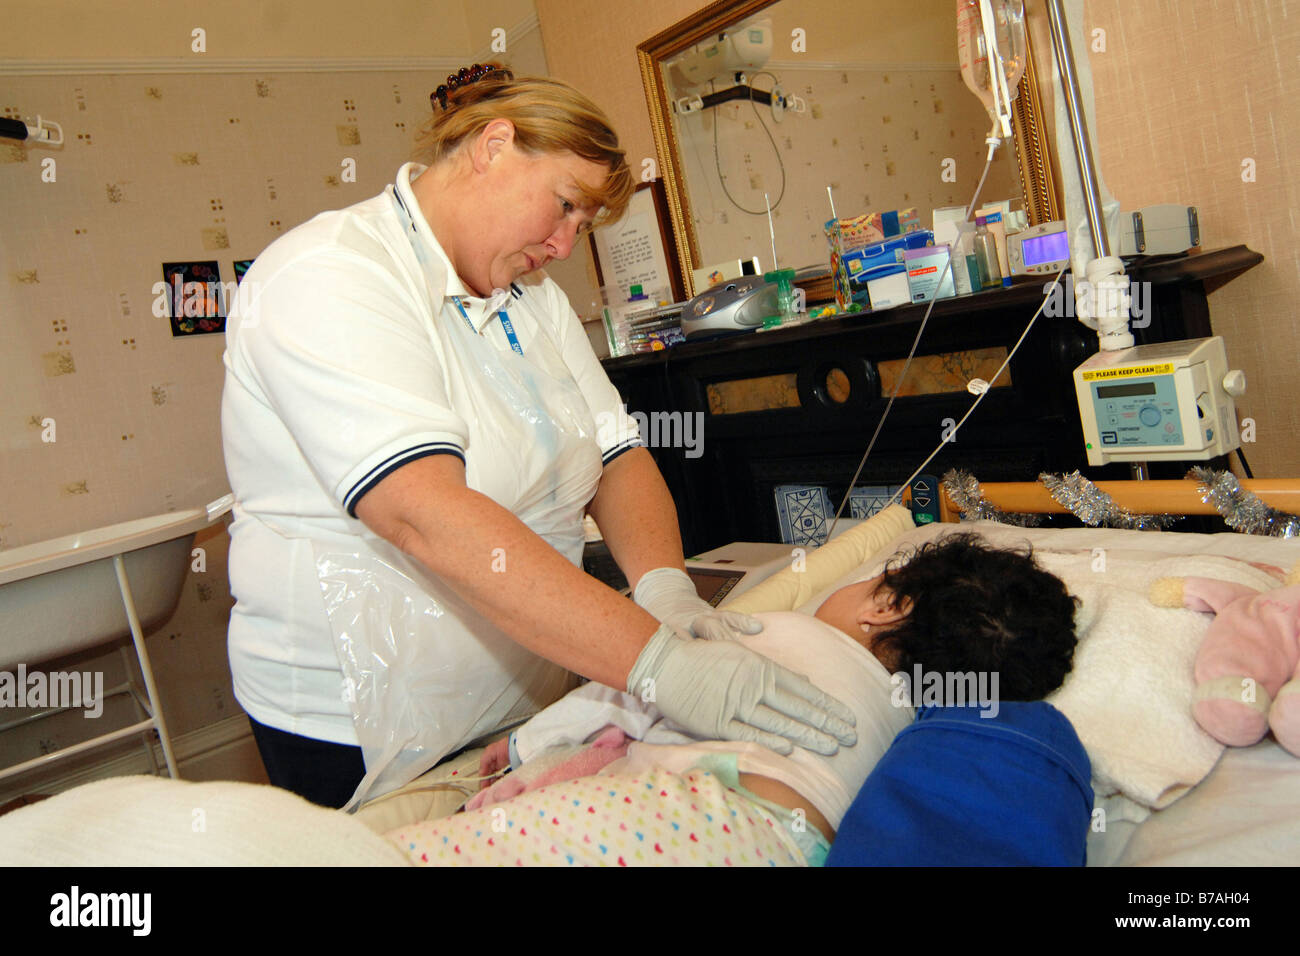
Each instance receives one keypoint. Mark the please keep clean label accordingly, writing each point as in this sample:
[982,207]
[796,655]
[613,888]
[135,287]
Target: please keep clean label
[1129,371]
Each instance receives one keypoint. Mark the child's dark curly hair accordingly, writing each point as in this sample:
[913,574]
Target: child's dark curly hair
[978,608]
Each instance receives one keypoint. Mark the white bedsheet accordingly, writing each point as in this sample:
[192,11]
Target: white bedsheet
[1245,813]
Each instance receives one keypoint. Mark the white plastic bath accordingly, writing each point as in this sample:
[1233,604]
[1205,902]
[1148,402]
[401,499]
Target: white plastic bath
[83,590]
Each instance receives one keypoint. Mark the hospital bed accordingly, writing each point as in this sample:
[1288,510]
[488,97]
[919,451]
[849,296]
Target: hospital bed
[1178,798]
[1167,795]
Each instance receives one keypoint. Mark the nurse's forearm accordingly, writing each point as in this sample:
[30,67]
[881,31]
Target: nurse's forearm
[506,572]
[637,517]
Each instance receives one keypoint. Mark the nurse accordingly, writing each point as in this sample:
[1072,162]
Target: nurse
[400,374]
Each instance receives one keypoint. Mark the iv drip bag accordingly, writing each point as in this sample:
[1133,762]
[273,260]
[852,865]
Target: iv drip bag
[972,50]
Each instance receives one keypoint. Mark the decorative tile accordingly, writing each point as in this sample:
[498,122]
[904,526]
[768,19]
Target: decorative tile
[804,513]
[867,500]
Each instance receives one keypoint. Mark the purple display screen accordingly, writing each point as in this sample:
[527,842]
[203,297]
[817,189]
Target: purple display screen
[1053,247]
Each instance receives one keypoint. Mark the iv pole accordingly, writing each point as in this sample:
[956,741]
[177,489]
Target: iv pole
[1104,274]
[1104,267]
[1078,126]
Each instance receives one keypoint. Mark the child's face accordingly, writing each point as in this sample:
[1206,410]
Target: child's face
[862,611]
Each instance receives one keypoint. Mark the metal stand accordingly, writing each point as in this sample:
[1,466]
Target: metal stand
[151,690]
[148,705]
[1078,127]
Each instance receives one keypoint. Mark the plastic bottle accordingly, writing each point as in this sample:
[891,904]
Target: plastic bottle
[785,299]
[986,255]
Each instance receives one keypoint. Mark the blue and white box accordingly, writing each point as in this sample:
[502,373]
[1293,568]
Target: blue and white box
[928,274]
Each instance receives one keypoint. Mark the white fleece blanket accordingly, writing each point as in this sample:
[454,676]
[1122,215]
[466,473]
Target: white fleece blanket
[1129,695]
[151,821]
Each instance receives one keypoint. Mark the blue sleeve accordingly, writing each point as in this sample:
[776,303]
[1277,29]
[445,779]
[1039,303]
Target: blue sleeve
[955,789]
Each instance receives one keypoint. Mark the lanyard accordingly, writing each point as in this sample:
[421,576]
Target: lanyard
[505,324]
[505,319]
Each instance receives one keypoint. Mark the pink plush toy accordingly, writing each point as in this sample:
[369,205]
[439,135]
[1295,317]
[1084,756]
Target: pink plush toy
[1248,668]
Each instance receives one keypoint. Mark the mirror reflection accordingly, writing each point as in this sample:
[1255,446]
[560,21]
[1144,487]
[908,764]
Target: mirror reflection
[865,98]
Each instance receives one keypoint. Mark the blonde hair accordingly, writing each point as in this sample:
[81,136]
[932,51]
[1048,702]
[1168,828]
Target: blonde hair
[548,116]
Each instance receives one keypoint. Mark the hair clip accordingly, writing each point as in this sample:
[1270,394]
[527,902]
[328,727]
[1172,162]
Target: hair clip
[466,76]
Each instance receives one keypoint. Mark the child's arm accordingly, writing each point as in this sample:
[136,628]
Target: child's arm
[567,723]
[558,764]
[578,715]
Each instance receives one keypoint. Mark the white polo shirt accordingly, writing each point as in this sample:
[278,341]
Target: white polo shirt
[342,365]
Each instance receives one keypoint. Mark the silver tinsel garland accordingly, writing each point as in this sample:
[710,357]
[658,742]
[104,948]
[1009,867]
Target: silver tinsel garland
[1242,510]
[1094,507]
[964,491]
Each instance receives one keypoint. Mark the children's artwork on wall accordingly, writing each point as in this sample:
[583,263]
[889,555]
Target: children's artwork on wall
[241,267]
[196,299]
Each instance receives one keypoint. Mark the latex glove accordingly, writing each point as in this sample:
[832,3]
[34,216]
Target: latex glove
[721,690]
[670,596]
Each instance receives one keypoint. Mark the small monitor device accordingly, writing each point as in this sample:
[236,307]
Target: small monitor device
[1039,250]
[1150,231]
[1165,402]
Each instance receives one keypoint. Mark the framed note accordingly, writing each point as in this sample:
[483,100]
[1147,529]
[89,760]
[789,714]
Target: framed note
[639,249]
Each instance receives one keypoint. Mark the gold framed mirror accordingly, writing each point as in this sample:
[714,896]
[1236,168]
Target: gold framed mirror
[932,91]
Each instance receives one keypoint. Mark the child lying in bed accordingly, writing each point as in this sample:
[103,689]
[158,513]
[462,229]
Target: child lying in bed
[956,606]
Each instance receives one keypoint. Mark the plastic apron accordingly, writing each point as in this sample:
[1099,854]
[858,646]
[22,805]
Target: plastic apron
[423,672]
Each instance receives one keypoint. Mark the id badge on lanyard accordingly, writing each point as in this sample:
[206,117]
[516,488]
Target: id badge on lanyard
[506,324]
